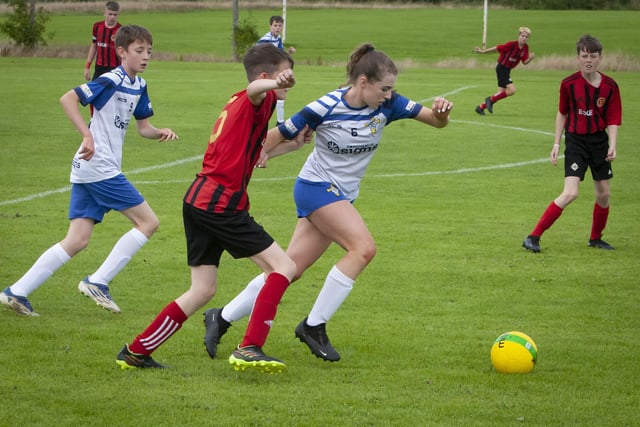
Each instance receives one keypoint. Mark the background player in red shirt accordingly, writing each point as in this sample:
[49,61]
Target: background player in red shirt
[589,114]
[102,42]
[216,217]
[511,54]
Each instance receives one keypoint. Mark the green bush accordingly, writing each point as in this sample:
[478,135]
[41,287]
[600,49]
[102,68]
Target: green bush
[245,36]
[26,25]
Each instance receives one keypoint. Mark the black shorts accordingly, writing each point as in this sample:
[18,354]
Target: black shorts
[504,76]
[587,151]
[100,70]
[209,234]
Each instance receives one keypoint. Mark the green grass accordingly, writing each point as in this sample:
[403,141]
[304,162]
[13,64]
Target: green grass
[448,208]
[324,36]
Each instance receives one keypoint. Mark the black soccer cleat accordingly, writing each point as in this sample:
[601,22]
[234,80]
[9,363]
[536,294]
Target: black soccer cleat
[129,360]
[215,327]
[601,244]
[315,337]
[479,110]
[253,357]
[489,103]
[532,243]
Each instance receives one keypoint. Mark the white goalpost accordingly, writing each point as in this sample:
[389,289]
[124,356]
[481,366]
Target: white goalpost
[284,16]
[484,28]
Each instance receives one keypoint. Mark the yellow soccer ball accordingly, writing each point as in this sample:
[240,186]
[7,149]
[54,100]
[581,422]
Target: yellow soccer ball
[514,352]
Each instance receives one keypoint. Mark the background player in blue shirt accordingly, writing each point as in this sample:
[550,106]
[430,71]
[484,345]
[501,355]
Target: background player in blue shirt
[274,37]
[348,123]
[98,184]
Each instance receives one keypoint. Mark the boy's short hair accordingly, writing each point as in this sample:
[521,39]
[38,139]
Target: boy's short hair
[525,30]
[589,44]
[113,6]
[276,18]
[128,34]
[264,58]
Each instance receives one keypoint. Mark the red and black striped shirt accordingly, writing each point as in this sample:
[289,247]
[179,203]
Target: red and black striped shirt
[511,55]
[589,109]
[233,151]
[104,38]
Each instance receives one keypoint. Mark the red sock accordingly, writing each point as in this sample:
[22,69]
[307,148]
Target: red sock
[163,326]
[547,219]
[264,310]
[600,216]
[483,105]
[498,97]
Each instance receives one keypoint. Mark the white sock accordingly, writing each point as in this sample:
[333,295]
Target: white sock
[51,260]
[242,304]
[119,257]
[280,110]
[335,290]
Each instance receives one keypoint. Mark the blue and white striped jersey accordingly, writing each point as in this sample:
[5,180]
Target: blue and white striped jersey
[346,137]
[270,38]
[115,98]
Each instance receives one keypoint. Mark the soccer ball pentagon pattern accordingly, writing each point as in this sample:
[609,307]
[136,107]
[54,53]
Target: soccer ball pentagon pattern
[514,352]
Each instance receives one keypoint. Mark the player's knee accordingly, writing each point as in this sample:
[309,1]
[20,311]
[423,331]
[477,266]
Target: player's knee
[368,252]
[150,226]
[570,196]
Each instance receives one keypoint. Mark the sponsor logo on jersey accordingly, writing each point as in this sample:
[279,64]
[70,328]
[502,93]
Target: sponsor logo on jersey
[119,123]
[290,126]
[351,149]
[85,90]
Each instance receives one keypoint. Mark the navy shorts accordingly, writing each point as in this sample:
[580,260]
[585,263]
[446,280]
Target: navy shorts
[209,234]
[310,196]
[93,200]
[587,151]
[504,76]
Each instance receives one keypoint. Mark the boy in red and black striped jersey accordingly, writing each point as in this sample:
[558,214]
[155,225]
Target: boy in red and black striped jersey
[589,113]
[511,54]
[216,217]
[102,47]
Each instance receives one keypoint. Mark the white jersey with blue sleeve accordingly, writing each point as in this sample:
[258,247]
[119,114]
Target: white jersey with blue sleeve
[346,137]
[115,97]
[270,38]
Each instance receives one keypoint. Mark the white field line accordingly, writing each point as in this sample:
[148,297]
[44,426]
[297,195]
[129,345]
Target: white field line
[400,175]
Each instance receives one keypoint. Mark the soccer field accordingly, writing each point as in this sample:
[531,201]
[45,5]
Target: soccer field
[448,209]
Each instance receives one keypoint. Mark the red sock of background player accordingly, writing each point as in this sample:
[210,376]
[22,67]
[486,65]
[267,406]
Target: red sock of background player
[163,326]
[498,97]
[264,310]
[600,216]
[547,219]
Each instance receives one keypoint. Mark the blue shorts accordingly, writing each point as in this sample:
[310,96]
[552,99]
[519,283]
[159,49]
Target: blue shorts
[310,196]
[93,200]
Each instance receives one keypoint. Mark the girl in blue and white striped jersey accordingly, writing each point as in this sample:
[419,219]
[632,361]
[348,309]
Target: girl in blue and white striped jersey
[348,123]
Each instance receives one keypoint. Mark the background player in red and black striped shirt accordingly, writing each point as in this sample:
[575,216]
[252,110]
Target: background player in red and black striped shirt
[589,114]
[511,54]
[102,42]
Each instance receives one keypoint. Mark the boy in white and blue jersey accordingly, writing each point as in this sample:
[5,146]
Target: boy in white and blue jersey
[98,184]
[274,37]
[348,123]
